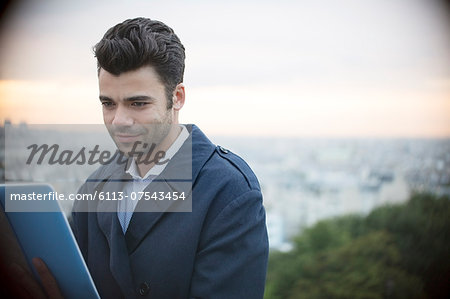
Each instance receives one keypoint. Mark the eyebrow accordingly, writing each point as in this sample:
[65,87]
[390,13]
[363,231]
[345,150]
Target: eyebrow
[129,99]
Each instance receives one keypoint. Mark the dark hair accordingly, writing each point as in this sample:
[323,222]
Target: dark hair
[139,42]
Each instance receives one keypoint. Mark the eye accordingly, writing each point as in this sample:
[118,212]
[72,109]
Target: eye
[107,104]
[139,104]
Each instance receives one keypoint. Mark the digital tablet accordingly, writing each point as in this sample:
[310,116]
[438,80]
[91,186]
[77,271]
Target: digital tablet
[42,230]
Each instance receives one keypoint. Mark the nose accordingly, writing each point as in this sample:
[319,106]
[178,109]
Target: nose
[122,117]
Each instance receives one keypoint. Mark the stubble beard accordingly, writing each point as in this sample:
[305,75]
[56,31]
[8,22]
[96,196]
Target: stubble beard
[151,136]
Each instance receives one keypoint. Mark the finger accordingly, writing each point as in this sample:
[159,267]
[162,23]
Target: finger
[24,286]
[48,280]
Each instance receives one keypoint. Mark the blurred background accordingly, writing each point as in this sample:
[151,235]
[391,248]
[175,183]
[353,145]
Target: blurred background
[342,109]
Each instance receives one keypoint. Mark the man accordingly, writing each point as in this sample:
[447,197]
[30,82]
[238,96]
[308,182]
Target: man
[220,248]
[210,242]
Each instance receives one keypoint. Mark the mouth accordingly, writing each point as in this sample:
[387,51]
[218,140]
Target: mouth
[125,138]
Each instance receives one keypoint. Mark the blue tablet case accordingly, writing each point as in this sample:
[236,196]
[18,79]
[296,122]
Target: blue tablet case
[48,235]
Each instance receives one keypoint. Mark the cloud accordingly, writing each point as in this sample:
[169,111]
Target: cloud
[389,50]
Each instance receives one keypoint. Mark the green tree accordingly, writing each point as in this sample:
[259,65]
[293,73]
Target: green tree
[396,251]
[366,267]
[422,233]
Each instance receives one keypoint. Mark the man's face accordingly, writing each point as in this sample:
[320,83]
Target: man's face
[135,108]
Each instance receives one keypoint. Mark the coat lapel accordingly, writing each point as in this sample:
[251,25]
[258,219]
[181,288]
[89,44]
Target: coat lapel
[148,213]
[111,228]
[179,176]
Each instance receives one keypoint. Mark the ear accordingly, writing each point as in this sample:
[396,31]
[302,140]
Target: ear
[178,97]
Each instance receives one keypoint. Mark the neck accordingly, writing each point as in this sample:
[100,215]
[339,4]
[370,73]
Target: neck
[162,147]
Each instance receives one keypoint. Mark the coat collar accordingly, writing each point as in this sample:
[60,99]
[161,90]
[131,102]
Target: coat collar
[201,150]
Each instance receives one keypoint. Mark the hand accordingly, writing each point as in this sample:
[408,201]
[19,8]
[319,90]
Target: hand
[48,280]
[26,286]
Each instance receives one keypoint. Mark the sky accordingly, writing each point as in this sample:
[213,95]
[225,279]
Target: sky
[374,68]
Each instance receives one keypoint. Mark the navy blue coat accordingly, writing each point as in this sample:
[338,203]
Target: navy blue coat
[219,250]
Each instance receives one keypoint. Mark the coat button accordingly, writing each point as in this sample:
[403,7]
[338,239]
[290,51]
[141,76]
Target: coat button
[144,288]
[223,150]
